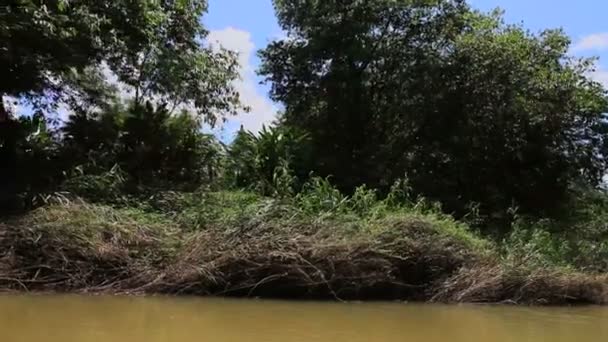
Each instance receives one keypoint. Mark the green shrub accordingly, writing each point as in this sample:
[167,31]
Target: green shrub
[535,247]
[275,161]
[152,146]
[107,187]
[400,193]
[283,180]
[364,201]
[578,240]
[320,196]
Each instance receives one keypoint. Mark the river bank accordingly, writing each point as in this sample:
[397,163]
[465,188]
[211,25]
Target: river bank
[234,244]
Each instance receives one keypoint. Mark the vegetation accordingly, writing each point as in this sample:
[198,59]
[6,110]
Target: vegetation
[427,151]
[242,244]
[471,109]
[57,52]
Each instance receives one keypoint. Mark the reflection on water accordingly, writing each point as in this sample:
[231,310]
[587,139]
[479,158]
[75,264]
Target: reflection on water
[87,319]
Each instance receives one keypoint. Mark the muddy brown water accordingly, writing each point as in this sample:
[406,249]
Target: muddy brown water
[126,319]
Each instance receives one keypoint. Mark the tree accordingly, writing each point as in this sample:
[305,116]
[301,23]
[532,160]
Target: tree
[91,140]
[152,147]
[66,51]
[331,73]
[153,46]
[168,63]
[35,164]
[157,148]
[39,41]
[241,170]
[471,109]
[517,122]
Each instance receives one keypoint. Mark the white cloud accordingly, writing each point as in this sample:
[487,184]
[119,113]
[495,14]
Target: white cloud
[596,41]
[125,92]
[263,111]
[601,75]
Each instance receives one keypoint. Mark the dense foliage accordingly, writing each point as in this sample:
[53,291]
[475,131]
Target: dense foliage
[148,144]
[80,54]
[154,47]
[473,110]
[272,162]
[145,147]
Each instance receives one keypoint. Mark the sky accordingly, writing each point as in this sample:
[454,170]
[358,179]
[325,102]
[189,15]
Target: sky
[248,25]
[245,26]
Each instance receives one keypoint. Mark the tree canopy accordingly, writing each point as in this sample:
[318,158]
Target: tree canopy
[155,47]
[471,109]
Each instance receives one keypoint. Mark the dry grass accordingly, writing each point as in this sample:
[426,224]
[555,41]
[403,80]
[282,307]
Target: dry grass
[78,247]
[496,283]
[81,247]
[316,261]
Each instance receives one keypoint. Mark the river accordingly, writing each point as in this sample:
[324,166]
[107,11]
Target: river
[133,319]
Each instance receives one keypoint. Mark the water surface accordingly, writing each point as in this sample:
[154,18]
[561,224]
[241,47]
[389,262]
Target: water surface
[116,319]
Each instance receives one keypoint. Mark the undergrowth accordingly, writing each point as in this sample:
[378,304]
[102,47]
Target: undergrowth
[317,244]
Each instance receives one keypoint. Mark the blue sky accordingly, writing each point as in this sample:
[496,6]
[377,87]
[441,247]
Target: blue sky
[248,25]
[245,26]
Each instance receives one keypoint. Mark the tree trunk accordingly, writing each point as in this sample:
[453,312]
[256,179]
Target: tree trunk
[4,114]
[8,160]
